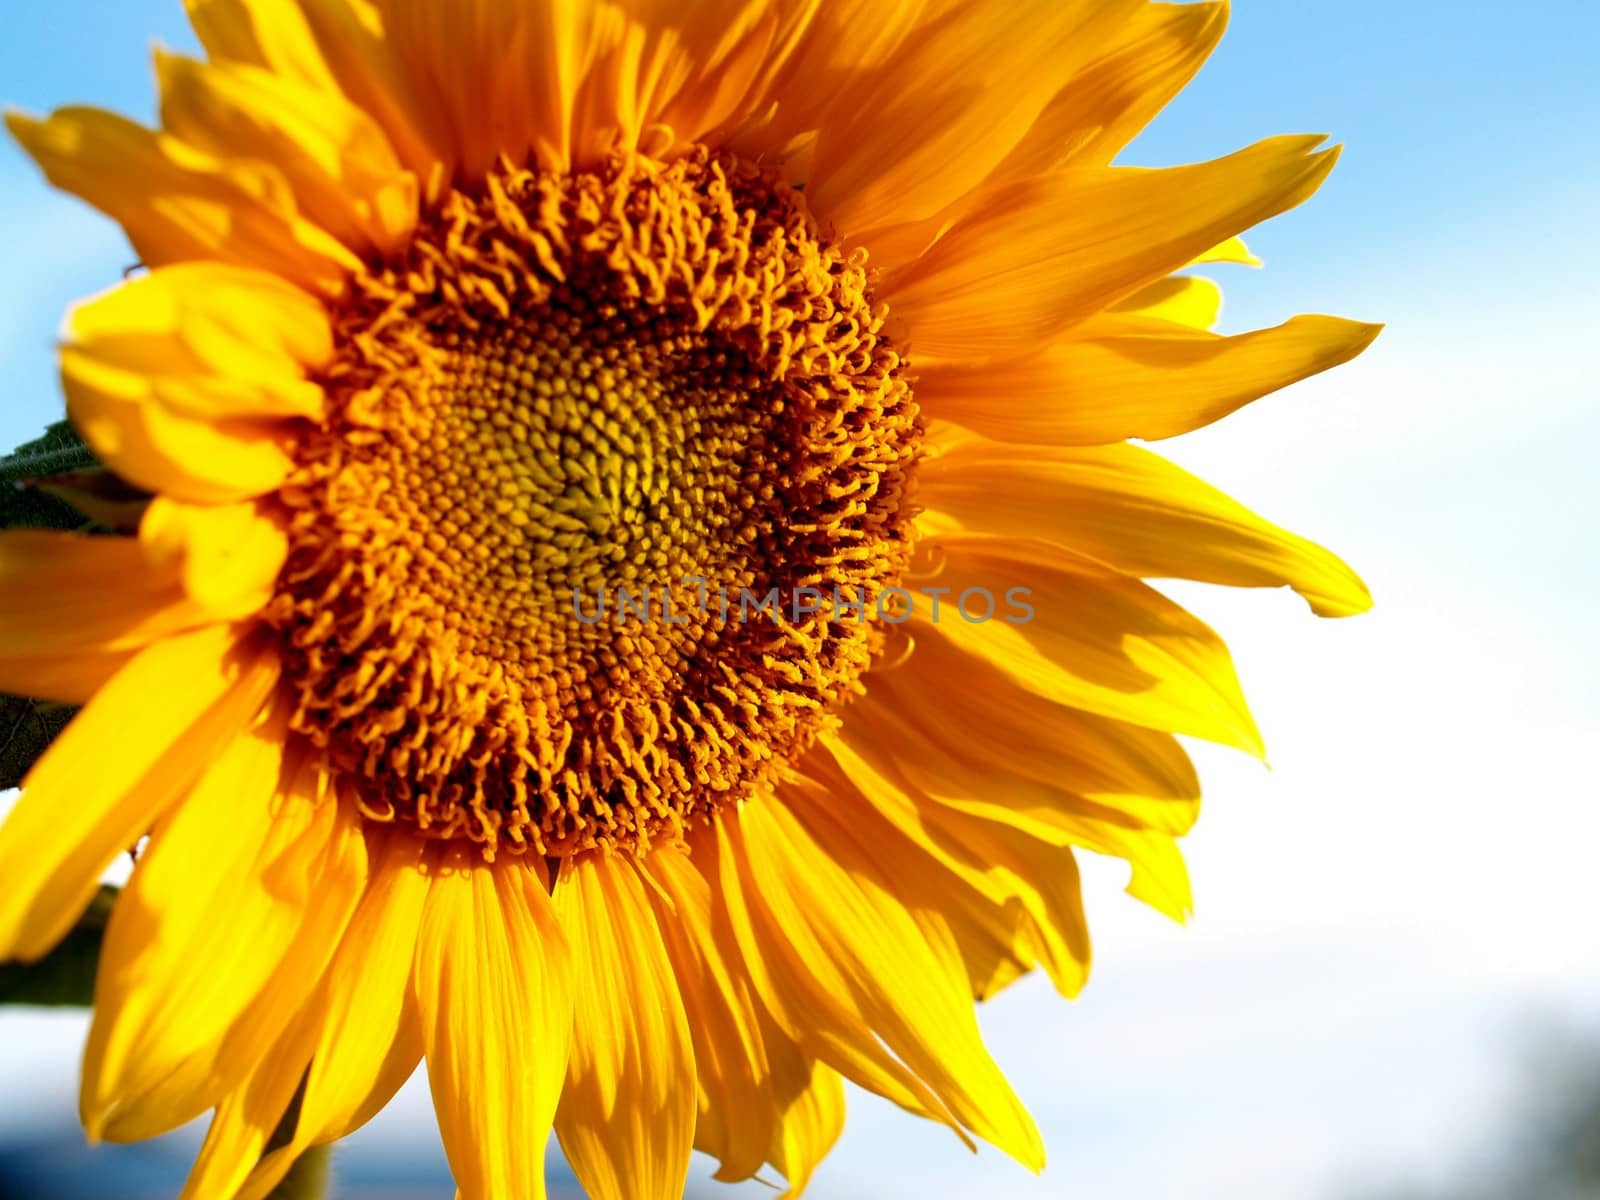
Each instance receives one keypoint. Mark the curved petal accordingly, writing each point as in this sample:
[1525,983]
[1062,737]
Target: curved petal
[1073,632]
[492,986]
[925,711]
[1151,385]
[1044,253]
[1233,250]
[354,1043]
[830,929]
[177,203]
[73,608]
[186,1005]
[274,34]
[117,767]
[668,71]
[344,174]
[216,341]
[1134,512]
[491,78]
[627,1115]
[828,1021]
[912,966]
[65,677]
[831,49]
[1140,62]
[809,1123]
[227,556]
[248,1116]
[722,86]
[331,46]
[184,380]
[1187,300]
[1156,50]
[1000,922]
[370,1041]
[737,1106]
[1018,830]
[930,125]
[147,443]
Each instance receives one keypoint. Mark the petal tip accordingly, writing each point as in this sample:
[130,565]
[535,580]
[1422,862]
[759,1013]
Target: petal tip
[24,128]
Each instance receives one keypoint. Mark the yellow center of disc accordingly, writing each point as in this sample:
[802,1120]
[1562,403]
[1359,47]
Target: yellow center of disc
[614,459]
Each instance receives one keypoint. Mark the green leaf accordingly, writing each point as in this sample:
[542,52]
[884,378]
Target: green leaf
[27,727]
[60,449]
[23,504]
[114,505]
[65,976]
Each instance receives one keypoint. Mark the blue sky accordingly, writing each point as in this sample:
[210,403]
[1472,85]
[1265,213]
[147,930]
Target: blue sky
[1383,911]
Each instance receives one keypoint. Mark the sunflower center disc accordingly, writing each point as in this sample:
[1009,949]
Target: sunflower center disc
[575,399]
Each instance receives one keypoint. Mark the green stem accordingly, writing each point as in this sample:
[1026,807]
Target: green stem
[308,1178]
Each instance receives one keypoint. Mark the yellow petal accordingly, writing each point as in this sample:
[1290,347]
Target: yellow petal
[810,1123]
[1157,49]
[339,163]
[827,52]
[227,555]
[794,980]
[274,34]
[491,983]
[186,1005]
[1134,512]
[1020,829]
[683,69]
[89,600]
[924,711]
[1047,252]
[723,87]
[907,973]
[1003,922]
[1077,634]
[147,443]
[66,677]
[183,380]
[1038,868]
[1017,840]
[177,203]
[568,83]
[214,341]
[334,47]
[1233,250]
[1140,62]
[737,1117]
[1084,393]
[248,1116]
[358,1033]
[370,1041]
[963,90]
[1187,300]
[495,78]
[127,756]
[627,1114]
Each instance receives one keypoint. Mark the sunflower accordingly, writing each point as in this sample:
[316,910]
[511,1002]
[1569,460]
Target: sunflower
[486,363]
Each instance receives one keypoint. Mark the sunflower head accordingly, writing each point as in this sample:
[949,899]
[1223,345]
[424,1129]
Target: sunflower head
[572,391]
[642,589]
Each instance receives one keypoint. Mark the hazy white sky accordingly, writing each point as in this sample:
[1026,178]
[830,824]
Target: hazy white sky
[1413,880]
